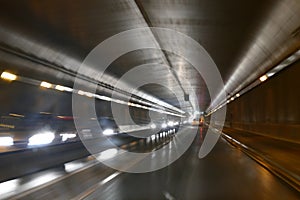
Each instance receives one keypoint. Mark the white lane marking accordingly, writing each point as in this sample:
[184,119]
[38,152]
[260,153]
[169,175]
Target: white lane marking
[168,196]
[109,178]
[95,187]
[63,177]
[234,140]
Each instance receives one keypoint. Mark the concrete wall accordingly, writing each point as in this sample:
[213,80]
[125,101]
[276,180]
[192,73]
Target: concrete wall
[272,108]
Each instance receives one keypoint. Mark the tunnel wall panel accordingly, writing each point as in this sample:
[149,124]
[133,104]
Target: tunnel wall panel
[271,109]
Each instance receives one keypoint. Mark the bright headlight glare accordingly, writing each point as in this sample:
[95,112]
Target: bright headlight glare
[6,141]
[164,125]
[65,136]
[41,138]
[170,123]
[108,132]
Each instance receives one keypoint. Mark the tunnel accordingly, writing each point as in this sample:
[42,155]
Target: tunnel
[144,99]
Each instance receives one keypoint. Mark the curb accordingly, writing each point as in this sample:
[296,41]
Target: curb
[285,175]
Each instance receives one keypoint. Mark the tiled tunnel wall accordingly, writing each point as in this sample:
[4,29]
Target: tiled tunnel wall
[271,109]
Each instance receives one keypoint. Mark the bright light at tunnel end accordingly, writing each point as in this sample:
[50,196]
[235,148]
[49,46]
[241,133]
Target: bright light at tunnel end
[153,126]
[164,125]
[188,49]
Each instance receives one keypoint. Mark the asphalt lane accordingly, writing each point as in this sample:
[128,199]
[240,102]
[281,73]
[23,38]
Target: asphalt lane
[226,173]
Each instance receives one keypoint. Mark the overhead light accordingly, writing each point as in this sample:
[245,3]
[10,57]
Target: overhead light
[164,125]
[237,95]
[232,98]
[46,84]
[228,101]
[80,92]
[15,115]
[269,74]
[8,76]
[138,105]
[116,101]
[59,87]
[263,78]
[45,113]
[41,138]
[105,98]
[88,94]
[63,88]
[6,141]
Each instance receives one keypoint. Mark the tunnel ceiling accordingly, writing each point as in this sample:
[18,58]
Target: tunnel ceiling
[244,38]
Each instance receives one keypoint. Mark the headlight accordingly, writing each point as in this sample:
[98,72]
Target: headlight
[41,138]
[170,123]
[108,132]
[153,126]
[65,136]
[6,141]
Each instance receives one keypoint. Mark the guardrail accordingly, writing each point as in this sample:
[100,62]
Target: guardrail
[18,163]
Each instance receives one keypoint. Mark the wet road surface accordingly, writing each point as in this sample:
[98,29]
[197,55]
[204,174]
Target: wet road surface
[226,173]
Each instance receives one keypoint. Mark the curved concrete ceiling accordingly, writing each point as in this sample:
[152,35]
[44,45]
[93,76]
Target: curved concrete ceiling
[244,38]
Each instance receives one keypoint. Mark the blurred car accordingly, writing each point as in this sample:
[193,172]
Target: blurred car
[36,129]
